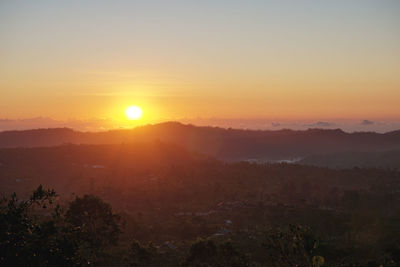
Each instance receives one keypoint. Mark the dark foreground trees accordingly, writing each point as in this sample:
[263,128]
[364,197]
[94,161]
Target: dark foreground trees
[35,232]
[294,246]
[93,225]
[31,240]
[208,253]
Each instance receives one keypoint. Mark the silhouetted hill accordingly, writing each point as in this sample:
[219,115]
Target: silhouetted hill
[60,165]
[227,144]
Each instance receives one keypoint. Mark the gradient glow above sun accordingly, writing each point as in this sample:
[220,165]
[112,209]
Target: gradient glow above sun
[134,112]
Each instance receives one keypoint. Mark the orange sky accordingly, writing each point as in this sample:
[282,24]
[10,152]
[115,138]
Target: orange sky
[259,59]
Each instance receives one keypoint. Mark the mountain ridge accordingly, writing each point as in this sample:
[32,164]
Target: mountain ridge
[226,144]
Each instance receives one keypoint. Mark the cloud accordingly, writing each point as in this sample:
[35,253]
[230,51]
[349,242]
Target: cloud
[321,124]
[102,124]
[367,122]
[42,122]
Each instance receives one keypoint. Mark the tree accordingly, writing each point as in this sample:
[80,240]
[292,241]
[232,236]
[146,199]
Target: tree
[94,225]
[141,255]
[208,253]
[29,240]
[295,246]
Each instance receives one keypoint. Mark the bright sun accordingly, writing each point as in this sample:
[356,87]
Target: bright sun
[134,112]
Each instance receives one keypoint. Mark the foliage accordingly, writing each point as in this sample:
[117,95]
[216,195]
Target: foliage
[141,255]
[175,197]
[29,240]
[294,246]
[208,253]
[94,226]
[94,218]
[32,237]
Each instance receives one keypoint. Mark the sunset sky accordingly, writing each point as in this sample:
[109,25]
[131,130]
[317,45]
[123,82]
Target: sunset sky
[278,60]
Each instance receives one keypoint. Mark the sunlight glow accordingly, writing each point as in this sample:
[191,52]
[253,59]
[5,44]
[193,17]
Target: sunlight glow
[134,112]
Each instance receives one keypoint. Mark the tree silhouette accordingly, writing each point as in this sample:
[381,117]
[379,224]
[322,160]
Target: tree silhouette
[30,240]
[94,224]
[208,253]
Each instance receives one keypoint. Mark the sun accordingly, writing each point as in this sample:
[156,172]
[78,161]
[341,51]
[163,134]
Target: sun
[133,112]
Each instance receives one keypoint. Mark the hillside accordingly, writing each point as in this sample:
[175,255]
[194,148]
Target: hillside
[171,198]
[225,144]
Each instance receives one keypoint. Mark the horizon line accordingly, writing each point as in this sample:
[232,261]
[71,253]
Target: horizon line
[197,126]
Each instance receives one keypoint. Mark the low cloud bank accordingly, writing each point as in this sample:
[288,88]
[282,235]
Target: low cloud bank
[255,124]
[41,122]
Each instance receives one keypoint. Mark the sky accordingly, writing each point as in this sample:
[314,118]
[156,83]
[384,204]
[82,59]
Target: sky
[200,61]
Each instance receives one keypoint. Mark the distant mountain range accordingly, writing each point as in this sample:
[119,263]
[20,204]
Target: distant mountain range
[224,144]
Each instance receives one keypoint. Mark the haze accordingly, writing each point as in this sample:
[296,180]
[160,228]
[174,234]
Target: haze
[277,60]
[200,133]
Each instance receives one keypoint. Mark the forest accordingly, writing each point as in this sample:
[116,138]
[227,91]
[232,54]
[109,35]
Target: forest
[181,133]
[157,204]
